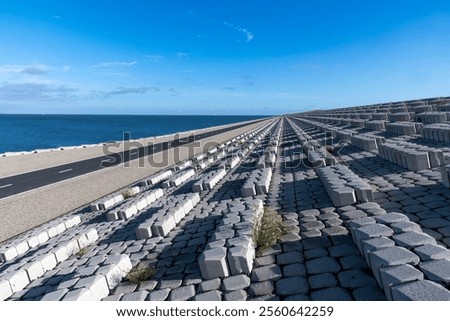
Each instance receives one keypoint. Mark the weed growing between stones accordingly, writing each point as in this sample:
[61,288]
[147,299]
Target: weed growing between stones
[140,273]
[269,231]
[83,251]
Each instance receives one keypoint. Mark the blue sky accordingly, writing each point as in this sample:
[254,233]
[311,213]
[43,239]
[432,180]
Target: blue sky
[219,57]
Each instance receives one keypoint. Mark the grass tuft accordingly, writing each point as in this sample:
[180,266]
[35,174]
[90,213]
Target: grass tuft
[140,273]
[270,230]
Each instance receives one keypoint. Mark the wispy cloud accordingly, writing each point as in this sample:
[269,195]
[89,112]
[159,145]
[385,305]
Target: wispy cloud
[35,92]
[249,35]
[155,58]
[32,70]
[125,91]
[181,54]
[116,64]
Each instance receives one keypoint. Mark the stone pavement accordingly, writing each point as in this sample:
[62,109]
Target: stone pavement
[361,225]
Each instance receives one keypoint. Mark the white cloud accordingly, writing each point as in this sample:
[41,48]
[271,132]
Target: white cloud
[32,70]
[249,35]
[124,91]
[116,64]
[35,92]
[155,58]
[66,68]
[181,54]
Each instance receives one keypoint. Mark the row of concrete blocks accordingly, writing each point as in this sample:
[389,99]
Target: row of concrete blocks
[343,186]
[47,231]
[378,125]
[257,183]
[437,132]
[433,117]
[399,254]
[179,178]
[405,128]
[17,280]
[106,202]
[231,249]
[407,156]
[183,165]
[95,287]
[208,180]
[364,142]
[445,173]
[132,207]
[158,177]
[167,218]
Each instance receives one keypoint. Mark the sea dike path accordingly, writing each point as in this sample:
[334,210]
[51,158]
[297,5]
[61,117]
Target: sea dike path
[363,193]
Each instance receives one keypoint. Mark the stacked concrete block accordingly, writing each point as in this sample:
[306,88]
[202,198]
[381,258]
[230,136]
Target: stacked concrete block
[401,128]
[432,117]
[364,142]
[437,132]
[47,231]
[343,186]
[165,219]
[179,178]
[17,280]
[398,117]
[106,202]
[159,177]
[132,207]
[183,165]
[230,250]
[257,183]
[379,116]
[208,180]
[445,173]
[375,125]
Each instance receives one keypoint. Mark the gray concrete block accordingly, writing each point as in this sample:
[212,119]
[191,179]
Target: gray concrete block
[34,270]
[261,288]
[391,217]
[5,290]
[236,282]
[322,265]
[81,294]
[213,284]
[159,295]
[403,227]
[213,295]
[331,294]
[265,273]
[390,256]
[320,281]
[97,285]
[413,239]
[291,286]
[430,252]
[213,263]
[420,291]
[240,259]
[18,280]
[375,244]
[397,275]
[437,270]
[55,295]
[370,231]
[182,293]
[239,295]
[355,278]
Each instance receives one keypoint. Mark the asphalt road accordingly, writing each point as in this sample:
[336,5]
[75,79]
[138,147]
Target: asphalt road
[20,183]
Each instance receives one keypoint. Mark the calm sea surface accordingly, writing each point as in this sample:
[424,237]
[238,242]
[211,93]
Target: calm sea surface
[30,132]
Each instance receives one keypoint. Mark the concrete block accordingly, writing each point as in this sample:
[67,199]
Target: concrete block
[430,252]
[128,211]
[391,217]
[445,173]
[5,290]
[375,244]
[240,259]
[413,239]
[18,280]
[343,196]
[164,225]
[390,256]
[364,193]
[420,291]
[34,270]
[370,231]
[437,270]
[248,190]
[92,235]
[54,295]
[22,247]
[97,285]
[213,263]
[144,230]
[81,294]
[48,261]
[8,253]
[403,227]
[43,237]
[397,275]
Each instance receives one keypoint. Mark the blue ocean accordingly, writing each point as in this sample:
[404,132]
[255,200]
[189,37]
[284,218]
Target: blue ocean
[30,132]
